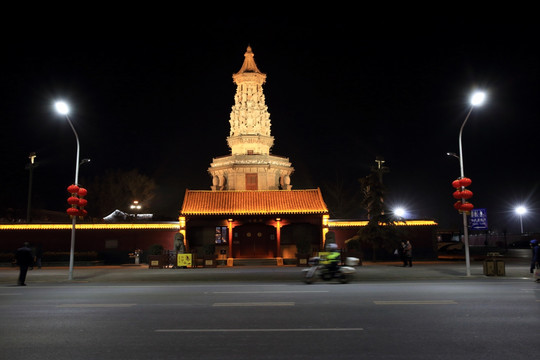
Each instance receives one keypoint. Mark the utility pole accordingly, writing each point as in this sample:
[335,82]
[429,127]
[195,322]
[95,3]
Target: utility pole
[30,167]
[372,186]
[380,170]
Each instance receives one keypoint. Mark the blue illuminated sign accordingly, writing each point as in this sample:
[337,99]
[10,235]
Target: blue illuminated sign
[479,219]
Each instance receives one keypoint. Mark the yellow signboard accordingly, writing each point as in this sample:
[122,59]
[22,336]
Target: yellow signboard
[184,260]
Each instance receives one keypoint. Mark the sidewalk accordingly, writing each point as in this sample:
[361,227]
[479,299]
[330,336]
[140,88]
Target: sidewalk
[515,269]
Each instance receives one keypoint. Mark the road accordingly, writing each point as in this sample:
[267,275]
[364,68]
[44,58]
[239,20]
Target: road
[281,318]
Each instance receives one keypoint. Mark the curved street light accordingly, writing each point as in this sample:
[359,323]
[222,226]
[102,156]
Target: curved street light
[63,109]
[477,99]
[521,210]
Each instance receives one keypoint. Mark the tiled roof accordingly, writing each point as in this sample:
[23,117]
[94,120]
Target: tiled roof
[253,202]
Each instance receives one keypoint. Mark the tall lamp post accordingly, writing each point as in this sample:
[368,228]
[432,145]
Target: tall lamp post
[30,167]
[521,210]
[63,109]
[476,100]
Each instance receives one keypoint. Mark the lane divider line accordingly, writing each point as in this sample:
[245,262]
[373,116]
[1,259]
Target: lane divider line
[94,305]
[256,304]
[415,302]
[259,330]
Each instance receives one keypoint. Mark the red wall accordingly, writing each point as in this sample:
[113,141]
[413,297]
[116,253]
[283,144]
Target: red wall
[87,240]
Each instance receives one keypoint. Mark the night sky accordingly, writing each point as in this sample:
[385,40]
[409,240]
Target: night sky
[338,97]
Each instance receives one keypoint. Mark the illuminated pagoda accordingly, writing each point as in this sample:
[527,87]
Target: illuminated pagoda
[250,166]
[251,210]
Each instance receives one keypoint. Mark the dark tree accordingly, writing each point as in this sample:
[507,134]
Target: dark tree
[341,199]
[117,190]
[381,232]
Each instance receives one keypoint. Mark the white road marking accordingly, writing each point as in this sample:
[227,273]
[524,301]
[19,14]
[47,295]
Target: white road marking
[267,292]
[258,330]
[93,305]
[256,304]
[415,302]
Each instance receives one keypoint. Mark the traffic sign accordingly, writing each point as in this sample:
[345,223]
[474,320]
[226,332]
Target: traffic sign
[479,219]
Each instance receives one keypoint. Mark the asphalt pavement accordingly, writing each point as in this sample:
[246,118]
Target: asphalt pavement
[454,269]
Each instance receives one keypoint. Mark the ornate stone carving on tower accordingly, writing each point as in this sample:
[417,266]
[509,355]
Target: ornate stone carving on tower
[251,166]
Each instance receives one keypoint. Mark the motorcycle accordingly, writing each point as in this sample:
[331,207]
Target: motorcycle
[343,273]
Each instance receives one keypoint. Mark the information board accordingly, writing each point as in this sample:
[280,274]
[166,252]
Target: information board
[184,260]
[479,219]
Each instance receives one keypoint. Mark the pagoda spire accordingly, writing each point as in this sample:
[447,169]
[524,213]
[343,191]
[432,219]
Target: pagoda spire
[249,63]
[250,120]
[250,166]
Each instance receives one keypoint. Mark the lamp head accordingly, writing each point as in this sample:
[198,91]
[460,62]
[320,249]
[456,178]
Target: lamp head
[61,107]
[399,211]
[478,98]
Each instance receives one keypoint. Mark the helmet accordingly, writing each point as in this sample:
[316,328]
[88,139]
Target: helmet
[331,247]
[534,242]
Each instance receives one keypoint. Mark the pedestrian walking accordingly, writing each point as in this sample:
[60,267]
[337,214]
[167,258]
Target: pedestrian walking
[24,259]
[407,250]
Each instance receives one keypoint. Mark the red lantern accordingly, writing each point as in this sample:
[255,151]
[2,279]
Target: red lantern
[465,182]
[73,200]
[82,192]
[466,194]
[82,213]
[466,206]
[457,205]
[72,211]
[456,184]
[82,202]
[73,189]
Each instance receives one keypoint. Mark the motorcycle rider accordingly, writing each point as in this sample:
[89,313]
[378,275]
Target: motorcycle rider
[333,258]
[328,266]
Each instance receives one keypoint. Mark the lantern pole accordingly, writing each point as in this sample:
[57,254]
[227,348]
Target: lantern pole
[62,108]
[476,100]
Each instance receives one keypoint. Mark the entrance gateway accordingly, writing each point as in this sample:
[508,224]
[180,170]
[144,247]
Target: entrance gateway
[276,220]
[254,241]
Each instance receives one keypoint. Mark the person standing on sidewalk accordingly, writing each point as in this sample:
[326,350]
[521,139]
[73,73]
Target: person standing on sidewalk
[38,255]
[401,252]
[535,260]
[407,252]
[24,259]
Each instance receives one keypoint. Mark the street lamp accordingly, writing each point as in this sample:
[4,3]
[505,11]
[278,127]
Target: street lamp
[476,100]
[521,210]
[63,109]
[399,212]
[30,167]
[452,154]
[136,206]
